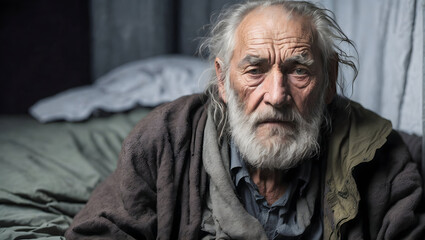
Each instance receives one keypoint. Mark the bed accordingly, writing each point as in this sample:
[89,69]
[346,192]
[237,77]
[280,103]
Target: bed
[51,161]
[48,170]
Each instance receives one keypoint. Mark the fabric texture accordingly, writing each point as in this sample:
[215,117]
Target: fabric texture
[227,215]
[371,188]
[48,171]
[295,214]
[388,35]
[414,143]
[363,144]
[156,190]
[148,82]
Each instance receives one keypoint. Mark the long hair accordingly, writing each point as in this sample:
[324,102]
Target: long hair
[220,42]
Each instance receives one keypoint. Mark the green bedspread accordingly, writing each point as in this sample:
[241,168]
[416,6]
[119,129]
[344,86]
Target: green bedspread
[47,171]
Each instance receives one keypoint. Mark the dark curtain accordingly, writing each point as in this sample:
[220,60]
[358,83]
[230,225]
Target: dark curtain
[125,31]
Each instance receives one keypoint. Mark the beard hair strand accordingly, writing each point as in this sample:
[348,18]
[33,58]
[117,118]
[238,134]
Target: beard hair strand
[282,147]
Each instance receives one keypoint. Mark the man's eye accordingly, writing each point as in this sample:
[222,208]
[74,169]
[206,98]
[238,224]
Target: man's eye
[300,71]
[254,71]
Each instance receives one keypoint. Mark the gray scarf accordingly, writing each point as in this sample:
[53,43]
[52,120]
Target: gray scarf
[224,216]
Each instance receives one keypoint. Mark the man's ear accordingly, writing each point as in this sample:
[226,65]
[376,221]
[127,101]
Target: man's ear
[333,76]
[220,78]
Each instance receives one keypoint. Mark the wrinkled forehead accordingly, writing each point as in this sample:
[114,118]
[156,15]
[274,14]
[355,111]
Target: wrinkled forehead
[275,25]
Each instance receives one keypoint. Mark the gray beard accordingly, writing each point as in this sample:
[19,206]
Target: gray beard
[282,147]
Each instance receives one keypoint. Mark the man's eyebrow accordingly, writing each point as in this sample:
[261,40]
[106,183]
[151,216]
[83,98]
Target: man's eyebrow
[299,59]
[251,60]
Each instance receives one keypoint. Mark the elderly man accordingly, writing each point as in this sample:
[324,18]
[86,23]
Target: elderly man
[270,152]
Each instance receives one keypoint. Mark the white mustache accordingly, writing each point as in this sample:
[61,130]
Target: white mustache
[272,115]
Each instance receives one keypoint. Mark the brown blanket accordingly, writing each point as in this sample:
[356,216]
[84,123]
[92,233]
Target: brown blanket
[149,196]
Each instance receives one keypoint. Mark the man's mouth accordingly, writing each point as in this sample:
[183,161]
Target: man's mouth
[275,122]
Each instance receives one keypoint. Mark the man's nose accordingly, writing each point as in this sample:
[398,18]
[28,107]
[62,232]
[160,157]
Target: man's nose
[276,89]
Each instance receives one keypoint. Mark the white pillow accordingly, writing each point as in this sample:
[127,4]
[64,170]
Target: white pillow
[147,82]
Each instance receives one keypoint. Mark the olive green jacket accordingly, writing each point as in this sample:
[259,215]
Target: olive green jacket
[372,188]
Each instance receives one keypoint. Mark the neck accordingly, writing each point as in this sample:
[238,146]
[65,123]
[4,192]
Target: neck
[272,184]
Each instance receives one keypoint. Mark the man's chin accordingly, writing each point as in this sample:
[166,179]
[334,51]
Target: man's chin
[274,135]
[282,125]
[272,162]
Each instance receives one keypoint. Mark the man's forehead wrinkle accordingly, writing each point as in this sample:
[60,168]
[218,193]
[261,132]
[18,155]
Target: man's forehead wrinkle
[291,40]
[291,37]
[271,52]
[306,49]
[255,38]
[259,32]
[259,41]
[272,47]
[266,35]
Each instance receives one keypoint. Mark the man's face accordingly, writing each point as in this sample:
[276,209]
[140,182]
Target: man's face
[276,78]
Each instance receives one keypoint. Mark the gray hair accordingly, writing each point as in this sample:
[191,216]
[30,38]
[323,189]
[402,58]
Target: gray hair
[220,43]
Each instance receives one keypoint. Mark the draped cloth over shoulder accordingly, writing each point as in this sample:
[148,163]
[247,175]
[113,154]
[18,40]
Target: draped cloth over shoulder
[156,191]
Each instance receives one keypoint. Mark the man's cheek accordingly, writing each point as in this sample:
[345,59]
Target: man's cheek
[251,97]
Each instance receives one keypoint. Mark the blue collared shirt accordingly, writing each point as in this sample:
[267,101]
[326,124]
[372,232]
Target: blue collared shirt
[279,220]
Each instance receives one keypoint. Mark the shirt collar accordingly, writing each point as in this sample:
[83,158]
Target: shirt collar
[237,165]
[239,170]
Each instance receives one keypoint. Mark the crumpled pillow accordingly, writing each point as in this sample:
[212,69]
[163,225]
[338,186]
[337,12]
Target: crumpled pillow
[147,82]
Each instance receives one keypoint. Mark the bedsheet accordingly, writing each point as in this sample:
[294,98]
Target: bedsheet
[47,171]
